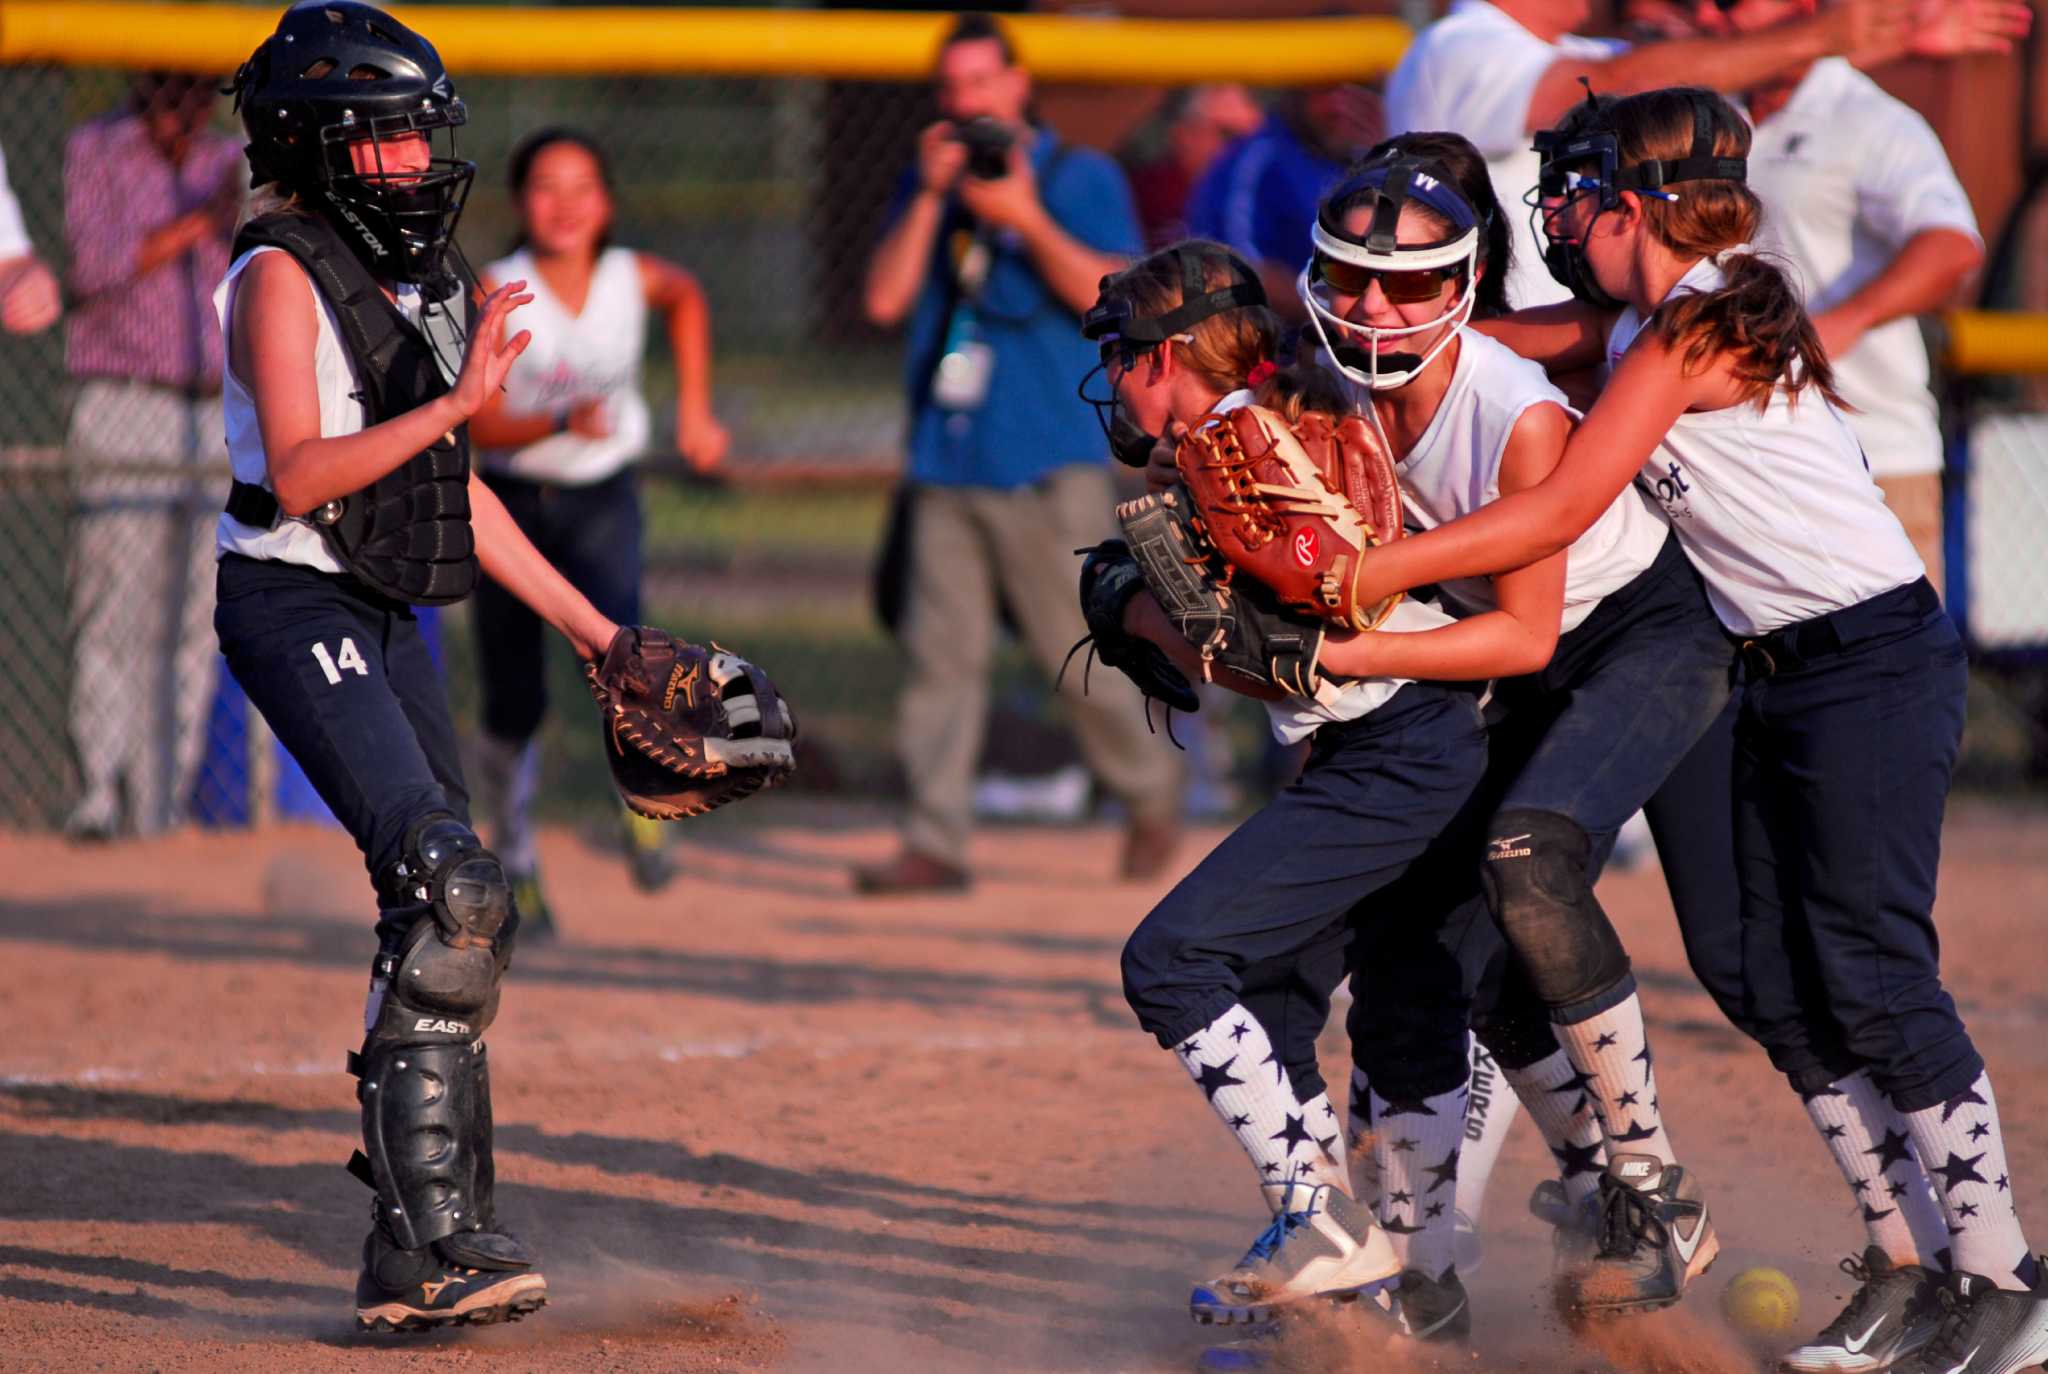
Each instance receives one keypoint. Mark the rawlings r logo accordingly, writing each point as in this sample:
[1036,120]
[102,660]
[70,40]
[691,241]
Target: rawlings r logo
[686,682]
[1305,548]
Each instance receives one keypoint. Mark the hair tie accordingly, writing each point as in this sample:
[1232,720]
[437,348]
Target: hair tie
[1728,255]
[1263,369]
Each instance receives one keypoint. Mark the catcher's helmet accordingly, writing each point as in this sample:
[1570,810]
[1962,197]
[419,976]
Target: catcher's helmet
[339,72]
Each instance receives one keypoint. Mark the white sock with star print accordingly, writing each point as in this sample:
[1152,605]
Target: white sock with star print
[1233,1063]
[1328,1129]
[1611,1052]
[1963,1151]
[1416,1145]
[1490,1111]
[1875,1157]
[1556,1101]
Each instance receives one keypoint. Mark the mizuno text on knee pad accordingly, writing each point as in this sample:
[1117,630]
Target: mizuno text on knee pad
[1534,870]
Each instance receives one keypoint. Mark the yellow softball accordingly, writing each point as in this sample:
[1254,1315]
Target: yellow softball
[1761,1302]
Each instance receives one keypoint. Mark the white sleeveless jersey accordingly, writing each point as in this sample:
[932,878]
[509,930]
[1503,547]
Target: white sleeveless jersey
[1776,508]
[1454,469]
[294,540]
[574,359]
[1296,718]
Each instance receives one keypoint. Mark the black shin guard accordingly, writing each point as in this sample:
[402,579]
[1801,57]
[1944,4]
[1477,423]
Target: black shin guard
[425,1084]
[1535,873]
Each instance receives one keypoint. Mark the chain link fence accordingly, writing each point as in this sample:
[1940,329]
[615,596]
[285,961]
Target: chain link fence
[771,192]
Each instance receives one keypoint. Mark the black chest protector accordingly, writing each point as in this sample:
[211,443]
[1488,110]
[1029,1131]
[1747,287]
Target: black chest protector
[406,534]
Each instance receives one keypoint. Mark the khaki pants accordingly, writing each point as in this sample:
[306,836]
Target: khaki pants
[1916,499]
[967,543]
[142,569]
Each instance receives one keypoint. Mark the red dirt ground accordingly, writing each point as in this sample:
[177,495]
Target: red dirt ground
[757,1123]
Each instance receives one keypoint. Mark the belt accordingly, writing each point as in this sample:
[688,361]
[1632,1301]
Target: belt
[1808,641]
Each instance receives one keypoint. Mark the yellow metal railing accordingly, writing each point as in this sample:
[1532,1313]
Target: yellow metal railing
[851,44]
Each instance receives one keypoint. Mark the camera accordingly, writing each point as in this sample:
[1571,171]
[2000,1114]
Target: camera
[988,146]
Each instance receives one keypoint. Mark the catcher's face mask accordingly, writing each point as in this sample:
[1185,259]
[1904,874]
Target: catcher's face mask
[1123,337]
[1344,264]
[1582,168]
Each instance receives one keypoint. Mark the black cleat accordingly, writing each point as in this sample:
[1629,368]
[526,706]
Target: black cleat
[473,1278]
[1655,1238]
[1893,1314]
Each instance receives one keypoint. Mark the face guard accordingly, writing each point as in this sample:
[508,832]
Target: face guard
[1341,263]
[1583,163]
[1123,338]
[340,72]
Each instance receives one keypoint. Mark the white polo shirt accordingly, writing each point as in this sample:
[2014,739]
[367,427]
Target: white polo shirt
[1473,73]
[1847,175]
[13,233]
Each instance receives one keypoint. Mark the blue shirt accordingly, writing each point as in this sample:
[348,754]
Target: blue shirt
[1260,195]
[1032,421]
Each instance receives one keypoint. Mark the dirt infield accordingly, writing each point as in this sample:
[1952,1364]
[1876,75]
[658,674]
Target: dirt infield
[757,1123]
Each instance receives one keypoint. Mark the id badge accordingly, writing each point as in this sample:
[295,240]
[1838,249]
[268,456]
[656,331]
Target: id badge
[960,382]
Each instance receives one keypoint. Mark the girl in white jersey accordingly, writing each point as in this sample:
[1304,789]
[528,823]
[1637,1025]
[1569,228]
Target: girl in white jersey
[1851,708]
[559,446]
[1579,740]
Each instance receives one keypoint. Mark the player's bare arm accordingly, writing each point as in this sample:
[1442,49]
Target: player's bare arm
[1521,634]
[274,334]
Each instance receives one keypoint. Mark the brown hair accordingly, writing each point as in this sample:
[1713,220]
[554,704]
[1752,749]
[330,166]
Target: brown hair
[1228,344]
[1755,318]
[1295,391]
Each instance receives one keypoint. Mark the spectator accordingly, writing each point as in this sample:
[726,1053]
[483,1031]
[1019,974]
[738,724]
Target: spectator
[1861,200]
[150,200]
[1196,124]
[1498,72]
[992,253]
[29,300]
[561,445]
[1260,196]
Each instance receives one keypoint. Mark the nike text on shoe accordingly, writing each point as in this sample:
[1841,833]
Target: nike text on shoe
[1984,1330]
[1655,1237]
[1893,1313]
[1323,1246]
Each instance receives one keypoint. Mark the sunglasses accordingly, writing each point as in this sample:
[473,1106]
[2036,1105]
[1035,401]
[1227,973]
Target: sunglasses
[1121,355]
[1405,287]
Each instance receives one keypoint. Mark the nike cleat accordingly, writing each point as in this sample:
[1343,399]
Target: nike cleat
[1984,1330]
[1893,1314]
[1655,1238]
[1328,1249]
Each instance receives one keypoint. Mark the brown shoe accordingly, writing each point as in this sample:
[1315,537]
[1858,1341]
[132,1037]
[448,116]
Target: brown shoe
[910,871]
[1148,848]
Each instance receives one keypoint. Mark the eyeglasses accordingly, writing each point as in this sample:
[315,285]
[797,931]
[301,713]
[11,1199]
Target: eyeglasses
[1403,287]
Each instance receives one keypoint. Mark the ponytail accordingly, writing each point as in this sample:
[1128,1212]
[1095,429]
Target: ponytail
[1756,321]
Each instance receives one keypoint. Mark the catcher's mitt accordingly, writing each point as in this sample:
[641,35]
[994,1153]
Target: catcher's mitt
[1295,506]
[1245,637]
[688,729]
[1109,579]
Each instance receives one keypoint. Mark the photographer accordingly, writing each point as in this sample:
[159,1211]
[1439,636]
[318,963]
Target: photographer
[1000,237]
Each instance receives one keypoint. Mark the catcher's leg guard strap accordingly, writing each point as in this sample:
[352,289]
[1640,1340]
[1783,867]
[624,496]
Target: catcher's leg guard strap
[1535,876]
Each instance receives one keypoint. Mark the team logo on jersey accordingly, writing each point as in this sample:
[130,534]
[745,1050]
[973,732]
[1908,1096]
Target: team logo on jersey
[1306,546]
[1673,492]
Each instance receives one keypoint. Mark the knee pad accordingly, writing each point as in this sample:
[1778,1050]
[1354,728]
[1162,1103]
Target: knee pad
[447,867]
[1535,873]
